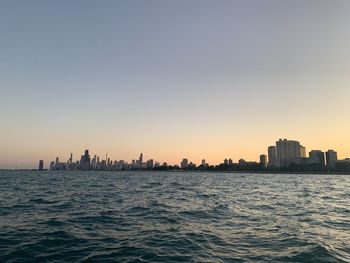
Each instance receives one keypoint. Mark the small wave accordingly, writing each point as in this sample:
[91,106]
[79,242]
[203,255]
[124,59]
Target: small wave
[312,253]
[52,222]
[151,185]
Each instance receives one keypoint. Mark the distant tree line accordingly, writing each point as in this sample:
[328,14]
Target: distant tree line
[340,167]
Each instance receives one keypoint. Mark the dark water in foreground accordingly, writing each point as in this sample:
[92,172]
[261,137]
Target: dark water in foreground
[173,217]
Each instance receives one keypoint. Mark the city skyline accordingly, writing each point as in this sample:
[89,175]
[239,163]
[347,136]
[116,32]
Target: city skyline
[281,155]
[285,156]
[233,156]
[200,79]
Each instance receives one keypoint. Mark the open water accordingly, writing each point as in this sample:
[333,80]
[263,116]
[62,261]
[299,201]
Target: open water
[173,217]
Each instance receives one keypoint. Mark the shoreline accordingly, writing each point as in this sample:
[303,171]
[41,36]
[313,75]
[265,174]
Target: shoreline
[181,171]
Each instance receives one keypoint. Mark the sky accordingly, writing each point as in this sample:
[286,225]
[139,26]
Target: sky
[171,79]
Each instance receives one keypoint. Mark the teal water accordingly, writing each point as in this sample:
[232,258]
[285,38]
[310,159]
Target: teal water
[173,217]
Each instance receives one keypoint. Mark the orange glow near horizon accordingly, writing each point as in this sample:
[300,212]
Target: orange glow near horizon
[172,79]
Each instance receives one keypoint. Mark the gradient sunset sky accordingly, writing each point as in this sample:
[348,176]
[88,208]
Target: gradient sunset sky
[172,79]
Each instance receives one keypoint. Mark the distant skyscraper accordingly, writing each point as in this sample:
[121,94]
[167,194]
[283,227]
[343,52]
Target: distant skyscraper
[317,156]
[94,162]
[203,162]
[331,158]
[141,160]
[150,164]
[41,165]
[263,160]
[271,151]
[184,163]
[288,152]
[57,163]
[85,161]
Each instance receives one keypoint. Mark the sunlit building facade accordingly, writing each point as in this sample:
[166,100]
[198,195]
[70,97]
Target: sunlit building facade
[288,152]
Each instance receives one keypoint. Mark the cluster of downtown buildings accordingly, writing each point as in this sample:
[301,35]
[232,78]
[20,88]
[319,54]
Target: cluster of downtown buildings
[286,155]
[95,163]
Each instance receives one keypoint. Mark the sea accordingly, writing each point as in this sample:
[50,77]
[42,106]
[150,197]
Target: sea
[75,216]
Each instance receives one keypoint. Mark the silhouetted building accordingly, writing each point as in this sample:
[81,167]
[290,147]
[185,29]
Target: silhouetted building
[150,164]
[271,151]
[52,165]
[342,165]
[331,158]
[140,160]
[263,160]
[317,156]
[57,163]
[85,161]
[184,163]
[241,162]
[192,166]
[41,165]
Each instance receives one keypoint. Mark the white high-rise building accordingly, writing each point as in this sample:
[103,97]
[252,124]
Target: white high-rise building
[288,151]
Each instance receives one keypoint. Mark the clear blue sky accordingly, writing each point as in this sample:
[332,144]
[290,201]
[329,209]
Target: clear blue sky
[171,79]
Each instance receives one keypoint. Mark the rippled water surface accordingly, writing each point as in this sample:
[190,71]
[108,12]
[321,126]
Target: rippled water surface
[173,217]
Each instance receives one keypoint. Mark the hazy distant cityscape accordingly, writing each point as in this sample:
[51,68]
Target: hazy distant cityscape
[285,155]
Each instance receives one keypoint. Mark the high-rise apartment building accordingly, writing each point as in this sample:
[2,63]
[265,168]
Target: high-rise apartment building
[263,160]
[331,158]
[288,151]
[272,157]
